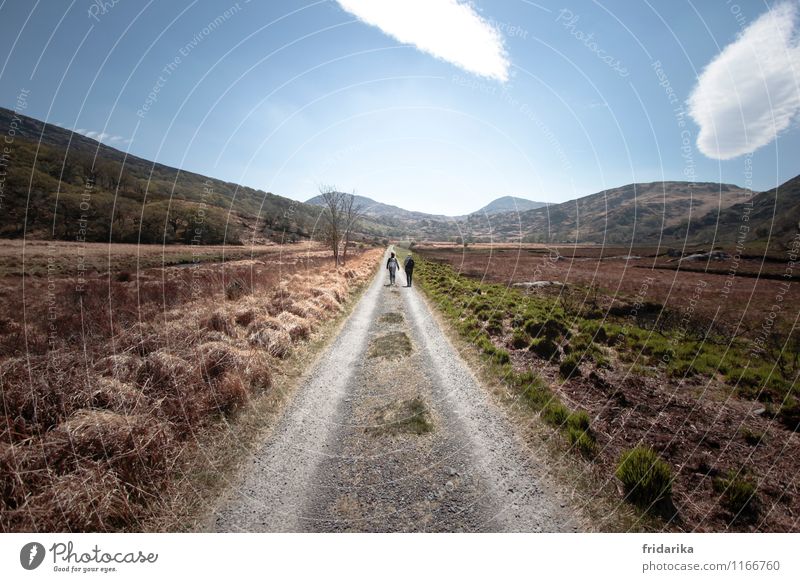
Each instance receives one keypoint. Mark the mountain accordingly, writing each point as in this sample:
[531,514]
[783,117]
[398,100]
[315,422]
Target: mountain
[509,204]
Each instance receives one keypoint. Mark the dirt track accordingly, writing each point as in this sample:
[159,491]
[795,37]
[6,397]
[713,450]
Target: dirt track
[390,431]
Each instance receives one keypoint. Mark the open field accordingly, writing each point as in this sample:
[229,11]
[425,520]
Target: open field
[111,377]
[64,259]
[618,358]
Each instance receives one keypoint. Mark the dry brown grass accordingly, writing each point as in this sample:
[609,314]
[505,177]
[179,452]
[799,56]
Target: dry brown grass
[103,395]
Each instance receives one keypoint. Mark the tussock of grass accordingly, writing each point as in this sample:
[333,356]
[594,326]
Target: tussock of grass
[790,413]
[582,441]
[545,348]
[217,322]
[738,494]
[752,437]
[555,414]
[570,367]
[520,340]
[271,337]
[646,478]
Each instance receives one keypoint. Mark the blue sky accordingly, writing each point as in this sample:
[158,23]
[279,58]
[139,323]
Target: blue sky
[548,101]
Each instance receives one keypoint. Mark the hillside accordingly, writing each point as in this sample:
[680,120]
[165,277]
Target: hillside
[79,188]
[510,204]
[636,213]
[773,214]
[400,223]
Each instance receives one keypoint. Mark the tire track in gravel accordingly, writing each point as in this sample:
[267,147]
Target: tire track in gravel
[390,431]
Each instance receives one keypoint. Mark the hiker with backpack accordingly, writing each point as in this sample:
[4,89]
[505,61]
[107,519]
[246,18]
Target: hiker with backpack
[392,265]
[408,265]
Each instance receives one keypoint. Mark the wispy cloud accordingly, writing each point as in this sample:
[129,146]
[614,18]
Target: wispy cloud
[751,91]
[447,29]
[101,137]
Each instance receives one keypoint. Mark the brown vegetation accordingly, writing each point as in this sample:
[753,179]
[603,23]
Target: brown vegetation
[107,382]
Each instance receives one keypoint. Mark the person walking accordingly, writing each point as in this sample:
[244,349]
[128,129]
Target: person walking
[392,265]
[408,265]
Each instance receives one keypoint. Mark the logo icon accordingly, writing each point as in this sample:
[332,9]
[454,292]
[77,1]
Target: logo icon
[31,555]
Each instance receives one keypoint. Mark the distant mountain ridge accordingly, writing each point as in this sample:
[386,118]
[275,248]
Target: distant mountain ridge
[380,210]
[47,169]
[635,213]
[510,204]
[377,209]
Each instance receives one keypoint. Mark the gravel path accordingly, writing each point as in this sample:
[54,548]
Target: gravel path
[390,431]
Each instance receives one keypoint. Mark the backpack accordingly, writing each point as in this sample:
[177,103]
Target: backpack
[410,263]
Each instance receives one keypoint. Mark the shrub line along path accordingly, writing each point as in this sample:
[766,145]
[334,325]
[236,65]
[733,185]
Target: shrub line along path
[390,431]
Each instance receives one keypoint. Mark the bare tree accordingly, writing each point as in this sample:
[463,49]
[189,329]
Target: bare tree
[352,212]
[333,201]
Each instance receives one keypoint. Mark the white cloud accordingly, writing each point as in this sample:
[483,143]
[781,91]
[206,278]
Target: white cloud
[751,91]
[448,29]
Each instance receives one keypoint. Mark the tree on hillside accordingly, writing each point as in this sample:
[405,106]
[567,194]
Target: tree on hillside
[351,213]
[333,203]
[341,214]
